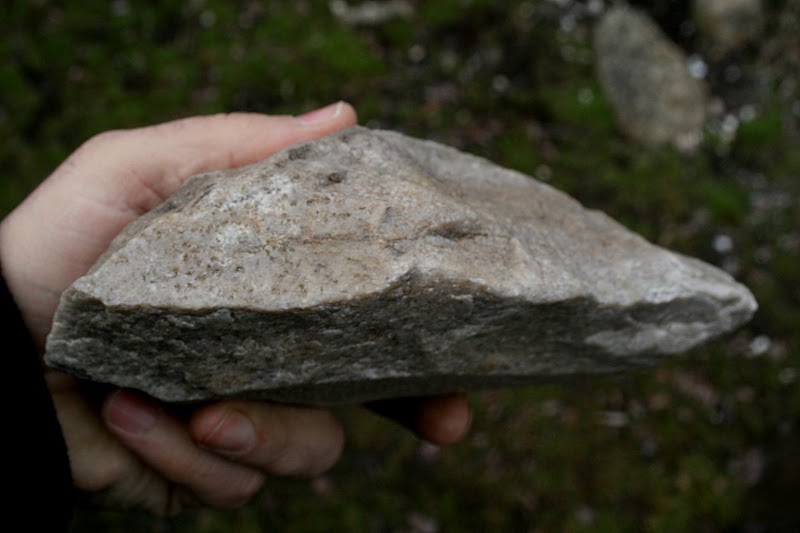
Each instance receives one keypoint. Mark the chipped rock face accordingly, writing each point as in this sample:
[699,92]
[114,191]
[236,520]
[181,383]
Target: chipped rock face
[645,77]
[371,265]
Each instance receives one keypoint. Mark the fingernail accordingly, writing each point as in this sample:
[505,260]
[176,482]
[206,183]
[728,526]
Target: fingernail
[324,114]
[233,434]
[130,412]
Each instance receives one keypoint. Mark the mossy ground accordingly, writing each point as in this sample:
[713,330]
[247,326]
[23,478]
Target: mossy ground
[707,443]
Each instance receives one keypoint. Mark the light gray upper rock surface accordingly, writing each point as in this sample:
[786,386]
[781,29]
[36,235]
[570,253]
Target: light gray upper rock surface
[368,265]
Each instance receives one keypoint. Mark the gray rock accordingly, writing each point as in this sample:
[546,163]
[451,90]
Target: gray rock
[371,13]
[730,24]
[370,265]
[645,78]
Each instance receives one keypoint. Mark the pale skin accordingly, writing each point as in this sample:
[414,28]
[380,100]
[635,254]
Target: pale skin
[129,450]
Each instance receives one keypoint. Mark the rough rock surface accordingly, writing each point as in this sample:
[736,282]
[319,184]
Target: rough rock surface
[645,77]
[368,265]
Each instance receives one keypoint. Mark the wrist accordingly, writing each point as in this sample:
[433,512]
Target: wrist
[16,272]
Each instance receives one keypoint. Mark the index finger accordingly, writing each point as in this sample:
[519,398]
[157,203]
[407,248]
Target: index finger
[441,419]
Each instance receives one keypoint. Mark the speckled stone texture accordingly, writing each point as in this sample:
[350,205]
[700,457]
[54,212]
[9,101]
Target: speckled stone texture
[370,265]
[646,79]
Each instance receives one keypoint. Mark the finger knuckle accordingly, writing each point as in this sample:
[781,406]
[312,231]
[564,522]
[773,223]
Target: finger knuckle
[102,140]
[329,452]
[276,442]
[299,463]
[314,457]
[93,476]
[243,491]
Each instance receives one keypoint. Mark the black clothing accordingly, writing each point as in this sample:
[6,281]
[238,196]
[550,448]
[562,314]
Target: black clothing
[39,483]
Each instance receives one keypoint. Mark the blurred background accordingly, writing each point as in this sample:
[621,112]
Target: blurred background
[709,442]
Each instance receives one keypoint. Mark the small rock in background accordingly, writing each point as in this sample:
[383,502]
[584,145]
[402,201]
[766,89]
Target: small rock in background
[371,265]
[729,24]
[645,77]
[370,13]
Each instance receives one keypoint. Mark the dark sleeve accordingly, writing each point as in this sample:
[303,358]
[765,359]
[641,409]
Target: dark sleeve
[40,485]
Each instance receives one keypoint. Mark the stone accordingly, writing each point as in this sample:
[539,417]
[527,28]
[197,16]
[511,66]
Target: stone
[729,24]
[369,265]
[371,13]
[646,80]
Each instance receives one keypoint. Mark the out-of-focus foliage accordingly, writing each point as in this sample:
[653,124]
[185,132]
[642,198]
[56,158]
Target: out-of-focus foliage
[708,443]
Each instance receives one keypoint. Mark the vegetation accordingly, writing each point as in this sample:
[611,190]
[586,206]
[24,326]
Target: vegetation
[707,443]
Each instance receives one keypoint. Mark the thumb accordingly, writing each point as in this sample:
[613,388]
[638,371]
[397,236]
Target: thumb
[135,170]
[61,229]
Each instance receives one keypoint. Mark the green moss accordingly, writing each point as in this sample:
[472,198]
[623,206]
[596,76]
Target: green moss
[761,137]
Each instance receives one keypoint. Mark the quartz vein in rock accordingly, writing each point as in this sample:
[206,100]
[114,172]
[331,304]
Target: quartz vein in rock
[369,265]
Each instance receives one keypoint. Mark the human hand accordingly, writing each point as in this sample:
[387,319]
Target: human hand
[130,450]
